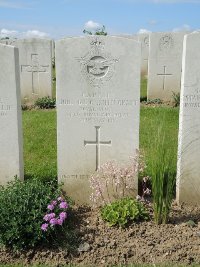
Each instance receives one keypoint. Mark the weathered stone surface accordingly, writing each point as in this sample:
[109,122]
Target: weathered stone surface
[188,168]
[98,89]
[8,41]
[11,155]
[35,58]
[164,68]
[144,40]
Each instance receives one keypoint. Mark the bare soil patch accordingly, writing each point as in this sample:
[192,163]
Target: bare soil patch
[177,242]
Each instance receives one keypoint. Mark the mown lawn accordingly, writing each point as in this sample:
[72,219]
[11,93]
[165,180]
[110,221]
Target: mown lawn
[40,138]
[40,149]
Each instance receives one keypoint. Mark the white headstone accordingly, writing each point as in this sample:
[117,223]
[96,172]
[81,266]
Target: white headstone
[188,168]
[11,155]
[35,58]
[98,90]
[8,41]
[143,38]
[164,69]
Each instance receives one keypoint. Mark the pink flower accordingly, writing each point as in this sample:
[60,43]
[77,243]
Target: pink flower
[49,216]
[63,215]
[54,202]
[53,221]
[50,207]
[60,199]
[46,217]
[63,205]
[59,221]
[44,227]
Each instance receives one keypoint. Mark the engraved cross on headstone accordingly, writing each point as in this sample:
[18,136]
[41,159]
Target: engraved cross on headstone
[35,68]
[164,76]
[98,144]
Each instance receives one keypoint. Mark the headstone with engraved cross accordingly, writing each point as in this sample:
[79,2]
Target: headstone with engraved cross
[164,67]
[35,57]
[98,89]
[11,146]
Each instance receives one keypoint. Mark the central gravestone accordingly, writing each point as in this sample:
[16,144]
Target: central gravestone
[98,84]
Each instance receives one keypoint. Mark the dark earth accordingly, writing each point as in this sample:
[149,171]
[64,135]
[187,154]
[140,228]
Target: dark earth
[177,242]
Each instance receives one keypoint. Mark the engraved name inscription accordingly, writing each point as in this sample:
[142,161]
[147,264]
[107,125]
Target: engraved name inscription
[63,177]
[192,101]
[5,108]
[97,110]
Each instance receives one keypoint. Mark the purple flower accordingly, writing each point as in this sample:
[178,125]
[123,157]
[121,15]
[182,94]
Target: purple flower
[59,221]
[44,227]
[46,217]
[50,207]
[54,202]
[63,215]
[63,205]
[53,221]
[49,216]
[60,199]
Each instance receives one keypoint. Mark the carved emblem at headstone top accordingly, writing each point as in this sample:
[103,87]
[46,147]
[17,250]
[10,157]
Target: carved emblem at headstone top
[146,41]
[166,42]
[97,65]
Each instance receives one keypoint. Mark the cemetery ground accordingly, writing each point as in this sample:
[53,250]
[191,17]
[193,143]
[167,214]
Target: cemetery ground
[89,240]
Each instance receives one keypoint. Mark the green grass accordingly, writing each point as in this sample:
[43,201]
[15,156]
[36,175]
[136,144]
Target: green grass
[40,138]
[143,89]
[150,120]
[40,144]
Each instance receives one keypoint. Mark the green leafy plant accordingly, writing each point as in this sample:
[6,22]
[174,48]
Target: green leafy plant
[176,99]
[162,175]
[123,211]
[45,103]
[22,209]
[154,101]
[100,31]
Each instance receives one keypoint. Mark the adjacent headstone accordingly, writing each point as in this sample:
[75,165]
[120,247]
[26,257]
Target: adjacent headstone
[8,41]
[98,90]
[164,69]
[11,155]
[143,38]
[35,58]
[188,168]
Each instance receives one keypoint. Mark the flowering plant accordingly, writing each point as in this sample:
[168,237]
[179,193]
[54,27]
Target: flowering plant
[113,181]
[56,214]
